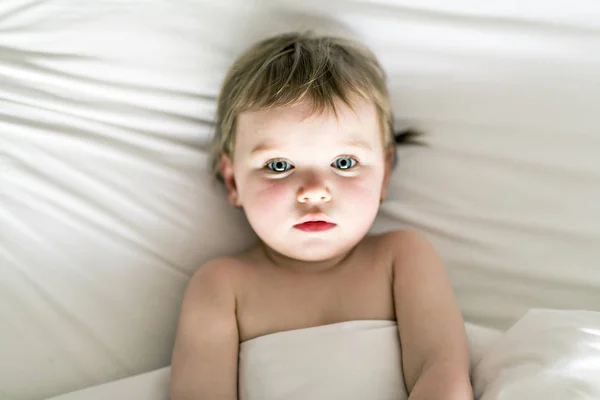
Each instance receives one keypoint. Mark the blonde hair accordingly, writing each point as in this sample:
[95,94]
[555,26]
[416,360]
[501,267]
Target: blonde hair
[290,68]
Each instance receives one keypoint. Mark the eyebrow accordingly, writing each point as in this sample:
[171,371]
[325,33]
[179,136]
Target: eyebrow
[266,146]
[357,143]
[263,146]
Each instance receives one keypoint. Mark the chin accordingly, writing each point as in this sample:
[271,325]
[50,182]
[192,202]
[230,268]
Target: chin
[316,255]
[316,251]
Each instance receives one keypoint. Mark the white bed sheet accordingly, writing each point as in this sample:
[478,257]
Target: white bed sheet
[550,354]
[155,385]
[547,354]
[106,208]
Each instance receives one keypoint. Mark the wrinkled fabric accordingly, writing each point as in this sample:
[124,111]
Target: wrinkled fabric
[106,201]
[548,354]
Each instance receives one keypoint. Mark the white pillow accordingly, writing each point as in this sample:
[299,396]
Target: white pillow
[548,354]
[106,207]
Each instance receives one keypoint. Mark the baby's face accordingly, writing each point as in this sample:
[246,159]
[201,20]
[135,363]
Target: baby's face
[291,166]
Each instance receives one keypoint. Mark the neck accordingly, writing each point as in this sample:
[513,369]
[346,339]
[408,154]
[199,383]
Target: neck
[281,261]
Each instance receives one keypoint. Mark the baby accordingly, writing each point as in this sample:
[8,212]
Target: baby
[304,144]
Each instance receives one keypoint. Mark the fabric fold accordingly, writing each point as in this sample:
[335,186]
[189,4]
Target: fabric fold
[347,360]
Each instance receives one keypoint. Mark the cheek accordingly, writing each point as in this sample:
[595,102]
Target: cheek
[265,204]
[266,195]
[360,191]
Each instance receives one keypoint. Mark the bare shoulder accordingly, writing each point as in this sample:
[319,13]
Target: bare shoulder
[217,275]
[412,256]
[403,237]
[404,244]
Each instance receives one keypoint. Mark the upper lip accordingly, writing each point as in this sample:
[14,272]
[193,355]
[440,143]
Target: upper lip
[315,218]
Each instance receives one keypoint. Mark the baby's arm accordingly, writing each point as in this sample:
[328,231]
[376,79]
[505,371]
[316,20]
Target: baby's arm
[435,355]
[205,357]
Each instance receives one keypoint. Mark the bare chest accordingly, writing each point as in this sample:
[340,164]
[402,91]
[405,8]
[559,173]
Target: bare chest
[276,302]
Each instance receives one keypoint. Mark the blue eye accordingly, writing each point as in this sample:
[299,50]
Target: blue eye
[279,166]
[345,163]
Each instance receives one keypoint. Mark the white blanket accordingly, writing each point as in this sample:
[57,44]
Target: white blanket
[349,360]
[548,354]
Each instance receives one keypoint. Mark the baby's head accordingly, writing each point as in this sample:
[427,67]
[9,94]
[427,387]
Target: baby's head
[305,133]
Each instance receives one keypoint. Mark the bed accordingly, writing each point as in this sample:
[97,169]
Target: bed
[107,207]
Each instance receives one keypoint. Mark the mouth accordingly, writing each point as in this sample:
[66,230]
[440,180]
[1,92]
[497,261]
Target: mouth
[315,226]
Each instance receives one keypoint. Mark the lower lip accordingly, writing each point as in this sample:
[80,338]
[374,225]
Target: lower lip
[315,226]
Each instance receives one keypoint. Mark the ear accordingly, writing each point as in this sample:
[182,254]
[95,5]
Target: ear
[387,172]
[226,167]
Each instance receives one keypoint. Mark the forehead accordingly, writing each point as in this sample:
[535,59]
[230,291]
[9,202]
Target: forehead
[288,125]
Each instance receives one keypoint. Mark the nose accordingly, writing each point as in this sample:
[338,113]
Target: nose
[314,190]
